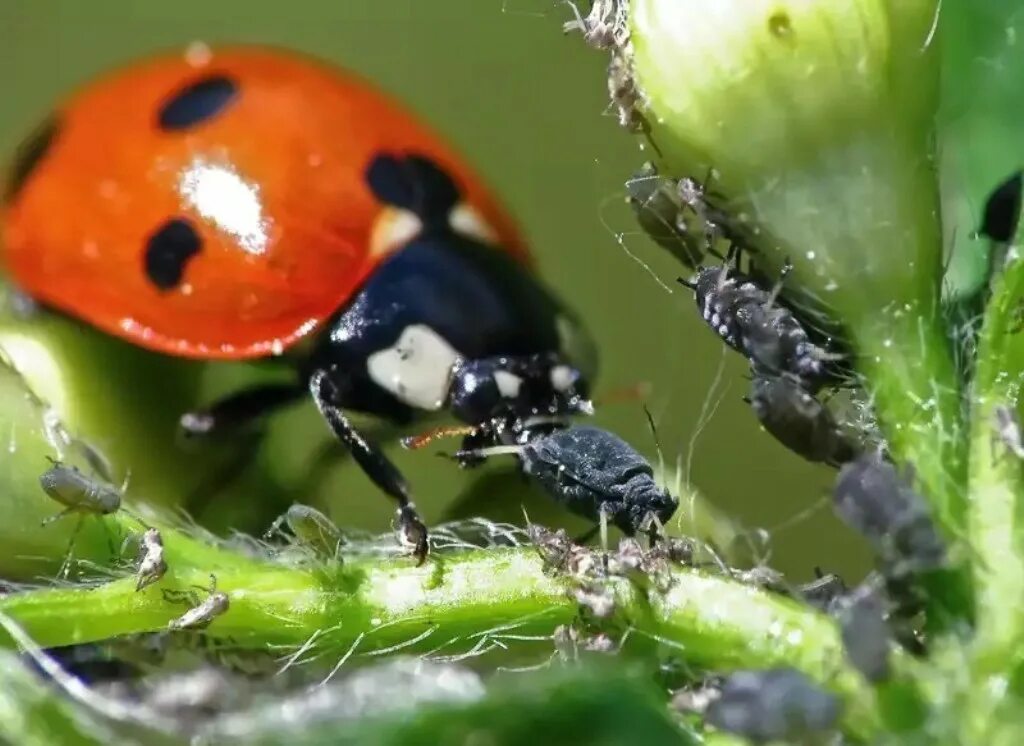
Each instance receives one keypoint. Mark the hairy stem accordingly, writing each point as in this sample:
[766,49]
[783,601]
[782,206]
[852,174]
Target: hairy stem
[449,605]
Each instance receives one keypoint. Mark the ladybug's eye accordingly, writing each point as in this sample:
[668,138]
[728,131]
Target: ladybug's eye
[168,251]
[30,154]
[197,102]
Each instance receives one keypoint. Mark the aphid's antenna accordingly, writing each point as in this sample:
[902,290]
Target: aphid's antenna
[689,284]
[657,443]
[414,442]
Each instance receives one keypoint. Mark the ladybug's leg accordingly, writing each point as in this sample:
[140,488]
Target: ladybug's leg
[378,467]
[240,408]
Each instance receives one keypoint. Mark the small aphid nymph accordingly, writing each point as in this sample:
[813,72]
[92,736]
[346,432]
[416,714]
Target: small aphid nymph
[152,565]
[201,613]
[604,27]
[311,529]
[865,632]
[776,705]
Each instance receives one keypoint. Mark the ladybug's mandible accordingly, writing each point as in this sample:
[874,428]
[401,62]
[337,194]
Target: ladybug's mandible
[247,203]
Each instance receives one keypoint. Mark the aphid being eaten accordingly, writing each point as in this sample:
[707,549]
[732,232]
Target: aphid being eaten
[201,613]
[798,420]
[604,27]
[594,474]
[152,565]
[750,319]
[1007,428]
[777,705]
[865,632]
[872,497]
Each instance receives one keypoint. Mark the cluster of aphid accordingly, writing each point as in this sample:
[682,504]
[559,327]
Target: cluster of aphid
[789,365]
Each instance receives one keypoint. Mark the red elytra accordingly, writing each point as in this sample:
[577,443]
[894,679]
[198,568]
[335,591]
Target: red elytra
[273,183]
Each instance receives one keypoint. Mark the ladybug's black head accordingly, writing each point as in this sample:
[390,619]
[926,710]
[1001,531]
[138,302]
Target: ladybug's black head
[503,394]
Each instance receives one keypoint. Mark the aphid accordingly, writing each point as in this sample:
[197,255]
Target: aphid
[655,202]
[604,27]
[749,319]
[823,592]
[152,566]
[780,704]
[625,97]
[798,420]
[1007,428]
[865,632]
[595,474]
[201,613]
[876,501]
[311,529]
[78,492]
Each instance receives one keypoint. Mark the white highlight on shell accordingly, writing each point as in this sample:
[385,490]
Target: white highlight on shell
[221,195]
[417,369]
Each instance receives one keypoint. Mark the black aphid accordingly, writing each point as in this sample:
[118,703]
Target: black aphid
[750,319]
[798,420]
[873,498]
[780,704]
[823,592]
[865,632]
[593,473]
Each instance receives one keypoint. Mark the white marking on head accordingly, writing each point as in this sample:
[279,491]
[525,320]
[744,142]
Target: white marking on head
[393,229]
[562,378]
[417,369]
[221,195]
[465,219]
[508,383]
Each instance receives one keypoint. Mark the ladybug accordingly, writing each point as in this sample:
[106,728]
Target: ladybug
[253,203]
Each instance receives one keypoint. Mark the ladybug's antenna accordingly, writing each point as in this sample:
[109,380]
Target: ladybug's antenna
[415,442]
[633,392]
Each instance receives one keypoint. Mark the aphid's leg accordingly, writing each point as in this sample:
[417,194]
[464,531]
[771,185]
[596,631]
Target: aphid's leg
[184,598]
[654,529]
[378,467]
[787,267]
[65,566]
[58,516]
[240,408]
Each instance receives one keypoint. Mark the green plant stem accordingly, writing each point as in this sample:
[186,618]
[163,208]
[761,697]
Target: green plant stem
[448,605]
[910,373]
[995,534]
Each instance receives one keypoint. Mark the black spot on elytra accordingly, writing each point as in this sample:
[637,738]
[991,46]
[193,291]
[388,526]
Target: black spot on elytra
[1002,210]
[168,251]
[197,102]
[414,183]
[29,155]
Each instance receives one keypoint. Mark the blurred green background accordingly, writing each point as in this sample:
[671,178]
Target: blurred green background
[528,107]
